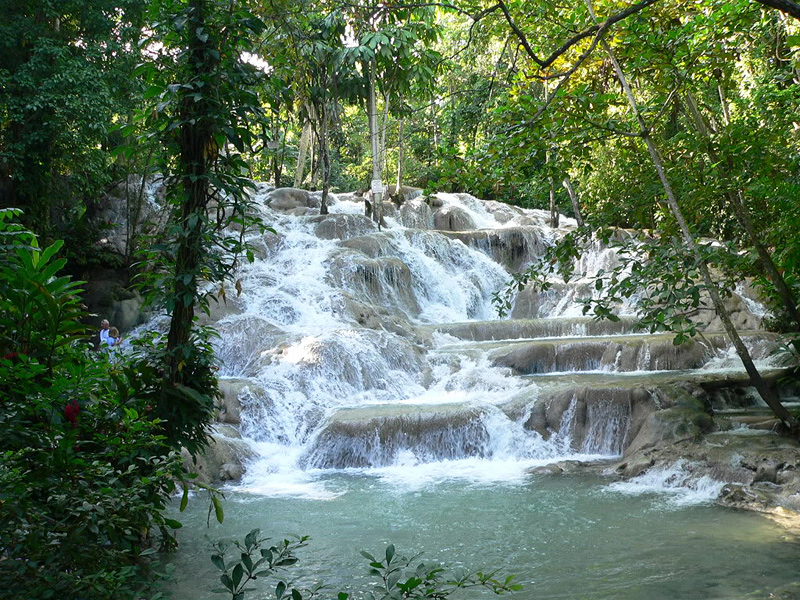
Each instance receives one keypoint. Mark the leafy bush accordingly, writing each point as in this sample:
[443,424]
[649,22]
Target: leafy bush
[84,472]
[399,577]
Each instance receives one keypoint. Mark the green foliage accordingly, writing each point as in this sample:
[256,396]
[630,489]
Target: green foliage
[400,577]
[256,560]
[201,106]
[404,577]
[84,472]
[182,410]
[65,72]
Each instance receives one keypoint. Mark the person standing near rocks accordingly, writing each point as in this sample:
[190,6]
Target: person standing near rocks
[113,337]
[104,326]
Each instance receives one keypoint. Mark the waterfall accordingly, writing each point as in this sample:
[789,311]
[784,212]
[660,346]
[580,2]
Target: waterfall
[354,348]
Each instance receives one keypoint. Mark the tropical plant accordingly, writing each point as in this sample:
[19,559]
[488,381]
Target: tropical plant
[84,472]
[400,577]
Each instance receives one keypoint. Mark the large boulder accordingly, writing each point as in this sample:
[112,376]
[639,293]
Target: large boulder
[406,193]
[223,460]
[234,391]
[374,436]
[384,281]
[290,199]
[684,416]
[452,218]
[513,247]
[416,214]
[342,226]
[739,311]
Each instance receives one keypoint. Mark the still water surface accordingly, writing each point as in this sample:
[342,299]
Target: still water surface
[563,537]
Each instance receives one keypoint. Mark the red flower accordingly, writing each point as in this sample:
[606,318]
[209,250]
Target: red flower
[10,355]
[71,411]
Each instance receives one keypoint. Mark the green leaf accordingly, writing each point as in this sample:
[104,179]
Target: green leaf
[218,512]
[152,92]
[218,561]
[184,498]
[250,538]
[280,589]
[237,574]
[173,524]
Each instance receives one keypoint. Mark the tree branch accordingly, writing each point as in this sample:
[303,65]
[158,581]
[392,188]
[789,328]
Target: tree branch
[588,32]
[785,6]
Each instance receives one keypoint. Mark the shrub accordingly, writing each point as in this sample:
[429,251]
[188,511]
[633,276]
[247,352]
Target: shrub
[84,473]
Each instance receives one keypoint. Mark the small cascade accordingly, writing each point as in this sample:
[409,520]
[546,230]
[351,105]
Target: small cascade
[354,348]
[608,426]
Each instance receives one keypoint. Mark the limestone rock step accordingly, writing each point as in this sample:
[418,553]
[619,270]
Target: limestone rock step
[377,435]
[620,353]
[480,331]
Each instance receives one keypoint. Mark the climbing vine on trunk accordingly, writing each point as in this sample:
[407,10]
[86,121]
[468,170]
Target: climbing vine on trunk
[203,110]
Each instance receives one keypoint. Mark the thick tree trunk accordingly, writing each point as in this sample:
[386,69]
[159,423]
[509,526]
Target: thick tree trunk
[576,207]
[377,207]
[197,155]
[766,392]
[305,139]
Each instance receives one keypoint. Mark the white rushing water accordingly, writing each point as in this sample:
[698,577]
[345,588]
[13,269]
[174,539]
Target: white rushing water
[333,345]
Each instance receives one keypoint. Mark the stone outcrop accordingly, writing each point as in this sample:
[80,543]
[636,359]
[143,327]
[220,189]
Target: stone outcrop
[342,226]
[385,281]
[416,214]
[224,459]
[452,218]
[617,354]
[356,438]
[291,200]
[513,247]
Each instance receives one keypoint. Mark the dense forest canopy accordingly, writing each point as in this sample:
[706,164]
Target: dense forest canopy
[470,97]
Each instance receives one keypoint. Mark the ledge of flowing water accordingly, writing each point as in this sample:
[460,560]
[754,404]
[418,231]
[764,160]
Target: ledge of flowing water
[362,366]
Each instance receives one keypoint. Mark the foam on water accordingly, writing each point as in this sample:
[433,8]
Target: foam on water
[325,330]
[678,483]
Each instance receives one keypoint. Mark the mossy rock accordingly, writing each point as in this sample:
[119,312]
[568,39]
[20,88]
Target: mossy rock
[685,416]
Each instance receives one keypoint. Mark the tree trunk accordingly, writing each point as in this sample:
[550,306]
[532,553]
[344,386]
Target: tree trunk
[276,162]
[384,127]
[399,182]
[305,138]
[576,208]
[197,154]
[377,208]
[766,392]
[554,216]
[324,158]
[314,146]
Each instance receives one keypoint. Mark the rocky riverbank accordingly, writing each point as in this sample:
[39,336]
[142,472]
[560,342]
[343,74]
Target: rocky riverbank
[742,447]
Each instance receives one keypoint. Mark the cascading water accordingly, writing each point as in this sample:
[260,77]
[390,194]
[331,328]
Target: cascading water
[355,347]
[384,402]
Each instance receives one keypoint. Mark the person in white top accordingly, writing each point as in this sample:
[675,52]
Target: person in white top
[104,325]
